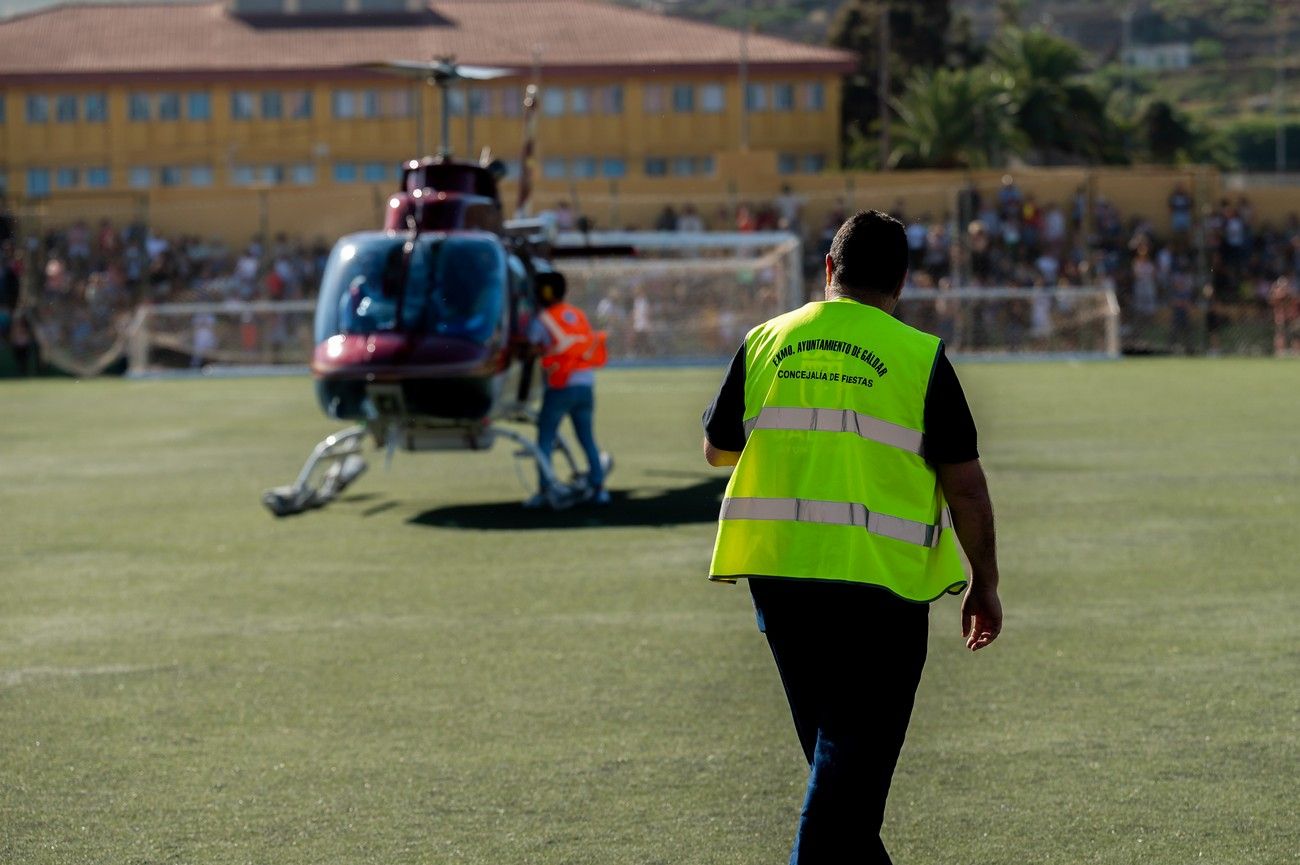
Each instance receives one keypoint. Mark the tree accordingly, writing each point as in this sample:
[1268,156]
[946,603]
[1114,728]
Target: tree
[1062,115]
[955,118]
[918,31]
[1172,137]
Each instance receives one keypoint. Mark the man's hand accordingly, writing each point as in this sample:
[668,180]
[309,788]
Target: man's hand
[717,457]
[981,617]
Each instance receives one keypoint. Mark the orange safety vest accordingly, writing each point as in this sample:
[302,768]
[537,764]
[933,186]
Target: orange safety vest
[574,345]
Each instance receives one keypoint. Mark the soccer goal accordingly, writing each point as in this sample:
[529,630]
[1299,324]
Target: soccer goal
[1024,322]
[246,337]
[685,296]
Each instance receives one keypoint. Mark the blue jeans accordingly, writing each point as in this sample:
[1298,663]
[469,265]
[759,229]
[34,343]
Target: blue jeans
[579,403]
[850,658]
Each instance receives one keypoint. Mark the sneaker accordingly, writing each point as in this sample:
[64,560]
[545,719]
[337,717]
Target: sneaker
[601,497]
[537,500]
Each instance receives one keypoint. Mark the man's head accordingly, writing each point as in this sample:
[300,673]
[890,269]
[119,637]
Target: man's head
[868,259]
[551,287]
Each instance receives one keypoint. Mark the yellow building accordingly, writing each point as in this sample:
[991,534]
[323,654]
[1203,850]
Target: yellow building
[195,103]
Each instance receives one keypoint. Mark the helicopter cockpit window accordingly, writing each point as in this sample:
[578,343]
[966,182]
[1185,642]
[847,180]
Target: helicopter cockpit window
[450,286]
[364,276]
[467,287]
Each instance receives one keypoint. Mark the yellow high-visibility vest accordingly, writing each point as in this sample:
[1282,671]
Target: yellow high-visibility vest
[832,483]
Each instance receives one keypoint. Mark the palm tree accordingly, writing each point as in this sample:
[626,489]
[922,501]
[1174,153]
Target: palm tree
[1062,115]
[955,118]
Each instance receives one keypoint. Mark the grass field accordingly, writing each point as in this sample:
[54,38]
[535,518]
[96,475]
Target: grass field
[425,673]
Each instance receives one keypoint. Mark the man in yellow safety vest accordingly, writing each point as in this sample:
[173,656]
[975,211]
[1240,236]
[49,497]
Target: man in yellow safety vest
[856,475]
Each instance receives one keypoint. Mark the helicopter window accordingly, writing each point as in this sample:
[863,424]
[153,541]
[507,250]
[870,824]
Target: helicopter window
[360,287]
[468,287]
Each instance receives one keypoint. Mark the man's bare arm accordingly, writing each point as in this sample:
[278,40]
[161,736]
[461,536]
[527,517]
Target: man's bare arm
[718,457]
[967,492]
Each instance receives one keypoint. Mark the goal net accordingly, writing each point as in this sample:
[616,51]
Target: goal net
[245,335]
[1057,322]
[686,296]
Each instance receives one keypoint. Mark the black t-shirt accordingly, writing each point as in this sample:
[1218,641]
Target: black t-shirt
[949,432]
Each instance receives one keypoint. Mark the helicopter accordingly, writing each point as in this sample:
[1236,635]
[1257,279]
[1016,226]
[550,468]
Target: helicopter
[420,328]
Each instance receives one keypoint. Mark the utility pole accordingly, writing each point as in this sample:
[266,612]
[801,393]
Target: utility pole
[1125,43]
[1279,142]
[744,79]
[883,83]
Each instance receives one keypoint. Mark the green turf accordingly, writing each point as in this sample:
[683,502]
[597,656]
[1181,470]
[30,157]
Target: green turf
[423,673]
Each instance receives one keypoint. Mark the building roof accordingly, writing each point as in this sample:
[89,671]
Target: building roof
[572,36]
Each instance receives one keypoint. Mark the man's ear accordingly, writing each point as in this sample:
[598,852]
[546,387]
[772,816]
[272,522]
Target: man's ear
[830,269]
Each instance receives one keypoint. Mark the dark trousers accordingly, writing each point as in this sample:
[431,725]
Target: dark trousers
[578,403]
[850,658]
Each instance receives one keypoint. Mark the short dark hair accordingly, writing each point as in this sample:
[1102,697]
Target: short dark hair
[551,287]
[869,254]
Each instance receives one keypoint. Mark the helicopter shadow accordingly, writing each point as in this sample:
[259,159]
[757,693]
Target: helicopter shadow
[697,503]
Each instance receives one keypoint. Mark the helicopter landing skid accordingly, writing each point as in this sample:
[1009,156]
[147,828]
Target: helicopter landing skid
[342,451]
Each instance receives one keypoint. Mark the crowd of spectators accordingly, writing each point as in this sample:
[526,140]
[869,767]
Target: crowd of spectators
[1181,286]
[91,278]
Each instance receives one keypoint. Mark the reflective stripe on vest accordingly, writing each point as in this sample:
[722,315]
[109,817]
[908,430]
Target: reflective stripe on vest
[836,514]
[837,420]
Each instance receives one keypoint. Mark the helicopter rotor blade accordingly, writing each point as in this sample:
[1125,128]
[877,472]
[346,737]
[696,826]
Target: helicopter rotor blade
[439,69]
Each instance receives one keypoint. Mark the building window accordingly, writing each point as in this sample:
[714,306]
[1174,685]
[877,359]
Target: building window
[613,167]
[302,174]
[580,100]
[67,178]
[713,98]
[653,98]
[272,105]
[170,175]
[787,163]
[814,163]
[553,102]
[38,182]
[98,177]
[512,101]
[96,108]
[610,99]
[683,166]
[198,105]
[243,105]
[376,172]
[242,175]
[396,104]
[704,165]
[299,102]
[512,168]
[4,182]
[345,172]
[756,97]
[137,106]
[479,104]
[65,108]
[2,108]
[200,175]
[683,98]
[656,166]
[583,167]
[38,111]
[169,106]
[814,96]
[369,102]
[554,168]
[344,104]
[783,97]
[139,177]
[271,175]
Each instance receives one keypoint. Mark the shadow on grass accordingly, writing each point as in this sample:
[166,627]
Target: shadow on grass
[697,503]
